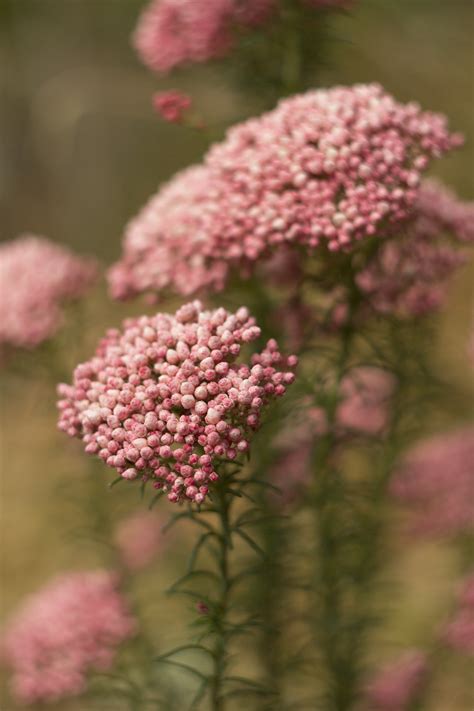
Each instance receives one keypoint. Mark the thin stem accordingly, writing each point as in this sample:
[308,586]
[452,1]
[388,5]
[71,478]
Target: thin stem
[329,506]
[223,503]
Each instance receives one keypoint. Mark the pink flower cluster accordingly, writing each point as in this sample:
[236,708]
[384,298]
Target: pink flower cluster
[459,633]
[166,399]
[395,686]
[171,33]
[171,105]
[324,169]
[436,481]
[36,277]
[409,276]
[139,539]
[69,628]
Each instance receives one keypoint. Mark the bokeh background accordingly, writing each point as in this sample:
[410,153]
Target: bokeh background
[81,150]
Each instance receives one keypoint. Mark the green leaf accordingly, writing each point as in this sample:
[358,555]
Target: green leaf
[155,499]
[185,667]
[203,538]
[190,576]
[116,481]
[183,648]
[199,694]
[253,544]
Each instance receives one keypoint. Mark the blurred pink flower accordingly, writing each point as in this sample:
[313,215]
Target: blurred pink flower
[139,539]
[166,398]
[409,276]
[459,632]
[363,410]
[365,405]
[36,278]
[61,633]
[396,685]
[327,168]
[436,481]
[171,33]
[174,32]
[171,105]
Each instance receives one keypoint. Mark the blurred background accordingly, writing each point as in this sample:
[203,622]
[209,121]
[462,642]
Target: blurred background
[81,150]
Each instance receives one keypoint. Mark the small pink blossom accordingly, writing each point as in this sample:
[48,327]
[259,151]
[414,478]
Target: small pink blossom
[166,398]
[139,539]
[435,481]
[396,685]
[61,633]
[459,632]
[325,169]
[36,278]
[172,105]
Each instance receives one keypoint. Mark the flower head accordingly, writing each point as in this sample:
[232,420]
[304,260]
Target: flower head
[171,33]
[459,632]
[29,316]
[139,539]
[166,399]
[395,686]
[324,170]
[436,480]
[171,105]
[69,628]
[409,276]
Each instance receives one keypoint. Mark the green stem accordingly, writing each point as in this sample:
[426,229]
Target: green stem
[329,507]
[223,503]
[291,61]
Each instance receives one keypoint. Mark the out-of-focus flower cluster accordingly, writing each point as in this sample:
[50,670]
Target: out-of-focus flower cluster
[327,168]
[139,539]
[459,632]
[436,481]
[66,630]
[409,276]
[396,685]
[166,399]
[363,410]
[173,33]
[36,278]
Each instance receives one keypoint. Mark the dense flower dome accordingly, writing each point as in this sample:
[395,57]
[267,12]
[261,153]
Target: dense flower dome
[166,399]
[410,276]
[29,316]
[325,169]
[69,628]
[436,480]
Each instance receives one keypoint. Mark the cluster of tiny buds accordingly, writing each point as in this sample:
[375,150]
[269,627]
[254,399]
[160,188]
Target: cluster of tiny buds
[323,170]
[172,105]
[166,400]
